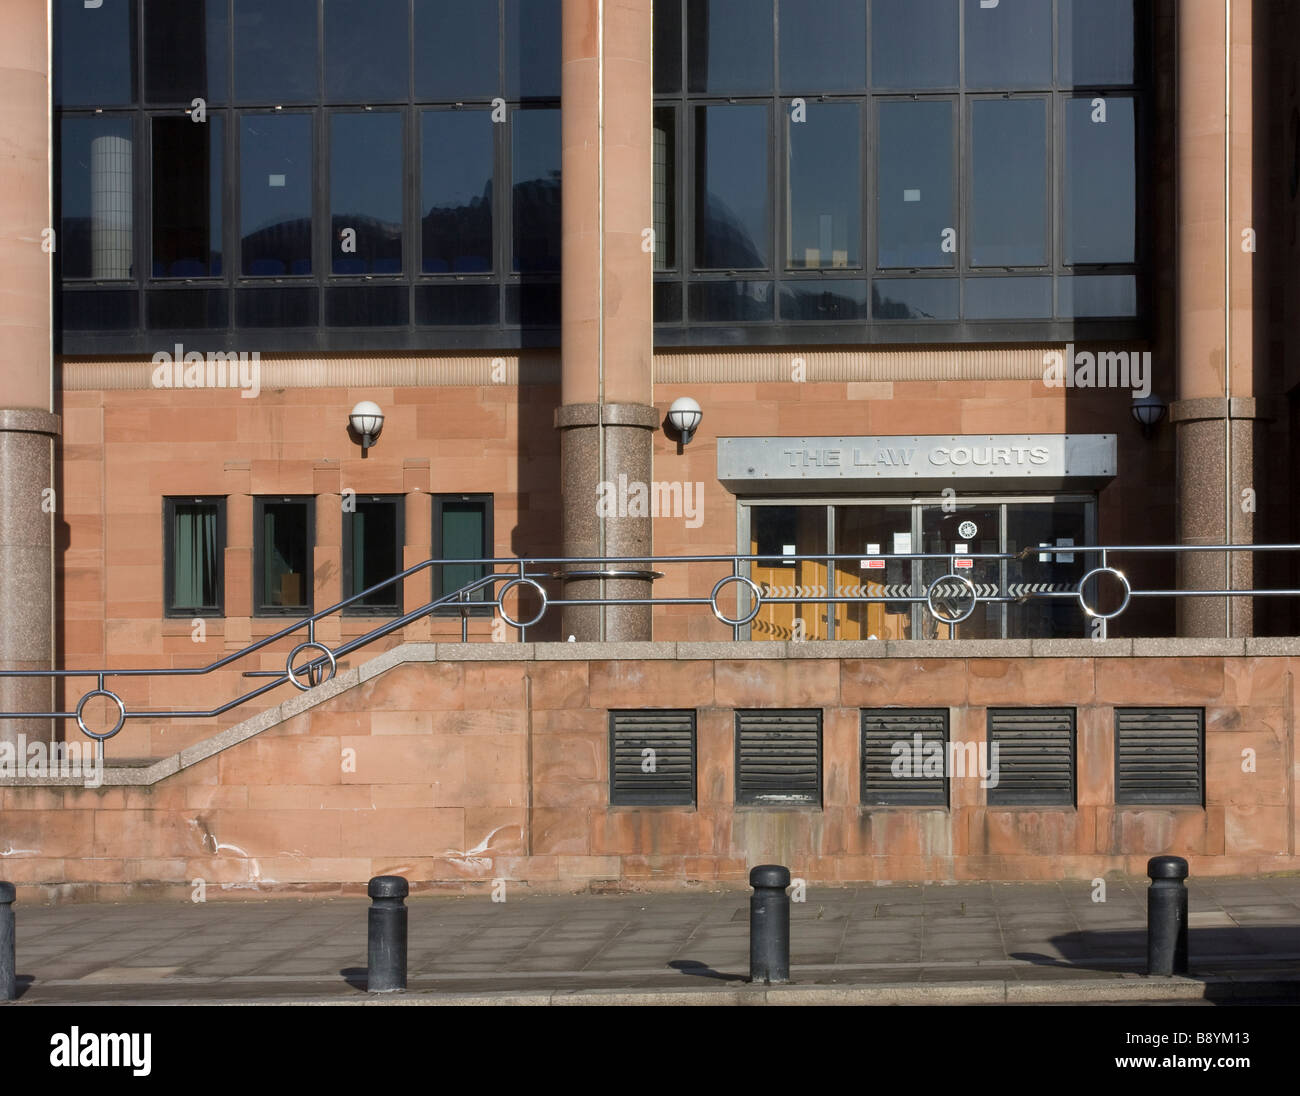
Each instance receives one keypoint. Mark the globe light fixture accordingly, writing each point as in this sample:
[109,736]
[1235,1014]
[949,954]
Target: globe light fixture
[367,420]
[685,416]
[1148,411]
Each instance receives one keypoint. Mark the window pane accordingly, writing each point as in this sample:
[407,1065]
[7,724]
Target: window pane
[195,557]
[732,302]
[1085,297]
[1008,298]
[665,187]
[827,301]
[1029,525]
[729,45]
[731,188]
[94,53]
[667,46]
[463,535]
[373,545]
[1096,42]
[532,49]
[276,194]
[823,45]
[186,204]
[185,51]
[367,50]
[1009,46]
[1100,181]
[456,156]
[96,237]
[914,204]
[914,298]
[536,156]
[455,304]
[275,51]
[456,49]
[366,193]
[825,188]
[914,43]
[1009,182]
[367,306]
[784,534]
[284,550]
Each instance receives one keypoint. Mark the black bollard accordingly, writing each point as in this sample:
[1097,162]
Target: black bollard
[8,966]
[769,924]
[386,959]
[1167,916]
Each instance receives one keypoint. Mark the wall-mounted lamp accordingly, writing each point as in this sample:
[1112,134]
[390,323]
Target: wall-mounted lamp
[367,421]
[1148,411]
[685,416]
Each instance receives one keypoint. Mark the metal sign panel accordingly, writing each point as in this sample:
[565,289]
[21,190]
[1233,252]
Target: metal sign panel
[928,462]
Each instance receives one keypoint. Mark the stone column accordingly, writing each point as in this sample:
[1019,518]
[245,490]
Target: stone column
[28,506]
[1215,412]
[607,418]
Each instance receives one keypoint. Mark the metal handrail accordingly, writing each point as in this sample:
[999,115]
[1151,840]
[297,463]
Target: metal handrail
[940,593]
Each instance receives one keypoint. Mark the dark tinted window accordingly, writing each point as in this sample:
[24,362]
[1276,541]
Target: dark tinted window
[456,155]
[914,299]
[825,187]
[94,53]
[372,552]
[367,305]
[665,187]
[462,529]
[283,540]
[536,155]
[275,51]
[823,45]
[97,196]
[456,304]
[456,49]
[275,194]
[1096,296]
[729,45]
[914,198]
[367,50]
[668,45]
[1010,45]
[914,43]
[731,189]
[187,197]
[1100,181]
[186,51]
[1096,41]
[732,302]
[532,49]
[825,301]
[366,193]
[1009,182]
[1008,298]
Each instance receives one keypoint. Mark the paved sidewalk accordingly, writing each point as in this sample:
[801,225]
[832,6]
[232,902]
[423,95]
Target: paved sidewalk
[1001,941]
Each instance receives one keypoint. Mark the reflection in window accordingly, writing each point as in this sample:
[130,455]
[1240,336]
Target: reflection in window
[821,45]
[176,75]
[824,227]
[536,188]
[914,43]
[914,299]
[914,200]
[1009,45]
[275,194]
[187,197]
[1060,525]
[456,150]
[732,302]
[665,187]
[825,301]
[366,193]
[1096,42]
[532,49]
[729,45]
[1100,181]
[1089,297]
[1009,182]
[94,53]
[1008,298]
[731,195]
[195,544]
[283,540]
[372,553]
[367,50]
[456,49]
[668,46]
[275,51]
[96,237]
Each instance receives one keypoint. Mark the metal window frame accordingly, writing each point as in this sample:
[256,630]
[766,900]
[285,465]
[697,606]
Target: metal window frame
[1024,800]
[439,501]
[398,503]
[645,800]
[745,801]
[259,557]
[1163,799]
[218,502]
[872,803]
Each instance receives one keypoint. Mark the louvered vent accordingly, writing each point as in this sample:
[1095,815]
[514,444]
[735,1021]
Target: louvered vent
[652,758]
[898,745]
[779,757]
[1035,756]
[1160,755]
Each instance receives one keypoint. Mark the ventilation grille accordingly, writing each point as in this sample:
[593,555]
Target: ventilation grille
[652,758]
[779,757]
[896,744]
[1160,755]
[1035,756]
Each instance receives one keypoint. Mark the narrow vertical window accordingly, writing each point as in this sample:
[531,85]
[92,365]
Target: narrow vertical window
[194,535]
[187,160]
[372,553]
[462,529]
[283,543]
[276,194]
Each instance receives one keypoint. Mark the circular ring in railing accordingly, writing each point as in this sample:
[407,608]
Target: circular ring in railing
[961,580]
[121,714]
[758,601]
[288,666]
[501,602]
[1088,609]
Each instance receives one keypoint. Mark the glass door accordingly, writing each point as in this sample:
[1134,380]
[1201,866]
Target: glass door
[780,533]
[956,530]
[878,534]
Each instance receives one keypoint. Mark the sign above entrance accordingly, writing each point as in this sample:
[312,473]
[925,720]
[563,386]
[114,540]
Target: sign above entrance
[923,463]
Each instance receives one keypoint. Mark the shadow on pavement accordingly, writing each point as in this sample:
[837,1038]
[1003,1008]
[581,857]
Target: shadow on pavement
[701,970]
[1244,945]
[356,977]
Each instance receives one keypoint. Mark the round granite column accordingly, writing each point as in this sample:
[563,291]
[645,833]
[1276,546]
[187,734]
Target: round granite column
[607,418]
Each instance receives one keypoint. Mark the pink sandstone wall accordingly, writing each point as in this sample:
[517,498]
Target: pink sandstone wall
[458,773]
